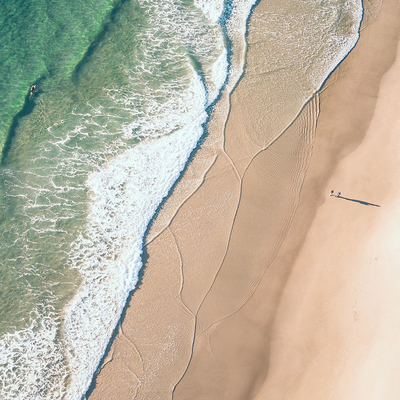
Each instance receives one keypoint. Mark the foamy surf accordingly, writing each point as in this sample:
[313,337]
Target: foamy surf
[166,117]
[31,361]
[126,192]
[125,195]
[127,184]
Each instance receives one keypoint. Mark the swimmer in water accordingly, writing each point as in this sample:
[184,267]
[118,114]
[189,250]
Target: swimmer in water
[33,88]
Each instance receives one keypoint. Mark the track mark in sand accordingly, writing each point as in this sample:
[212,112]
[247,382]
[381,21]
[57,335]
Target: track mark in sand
[133,346]
[230,235]
[305,137]
[139,382]
[109,358]
[226,252]
[233,165]
[181,270]
[182,203]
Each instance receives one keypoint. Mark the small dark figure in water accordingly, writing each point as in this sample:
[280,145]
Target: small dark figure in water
[33,88]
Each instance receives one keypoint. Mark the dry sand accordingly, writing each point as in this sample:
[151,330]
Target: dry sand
[289,293]
[336,329]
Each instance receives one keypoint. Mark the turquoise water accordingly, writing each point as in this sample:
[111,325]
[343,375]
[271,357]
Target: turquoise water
[40,40]
[121,99]
[109,75]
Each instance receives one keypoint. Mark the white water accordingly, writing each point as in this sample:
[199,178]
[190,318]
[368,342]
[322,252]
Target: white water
[125,193]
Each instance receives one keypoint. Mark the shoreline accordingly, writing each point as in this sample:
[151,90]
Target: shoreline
[334,311]
[238,353]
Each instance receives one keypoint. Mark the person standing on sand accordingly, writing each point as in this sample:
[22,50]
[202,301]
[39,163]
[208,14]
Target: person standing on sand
[332,193]
[338,194]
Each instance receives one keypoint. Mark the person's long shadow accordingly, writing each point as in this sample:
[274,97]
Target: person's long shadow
[359,201]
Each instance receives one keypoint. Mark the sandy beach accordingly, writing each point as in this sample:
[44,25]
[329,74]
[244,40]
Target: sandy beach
[257,283]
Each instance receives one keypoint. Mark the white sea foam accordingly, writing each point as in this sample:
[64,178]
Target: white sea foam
[219,71]
[212,8]
[125,194]
[339,45]
[126,191]
[31,362]
[237,29]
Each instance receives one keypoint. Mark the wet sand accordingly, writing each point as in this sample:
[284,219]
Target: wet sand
[261,285]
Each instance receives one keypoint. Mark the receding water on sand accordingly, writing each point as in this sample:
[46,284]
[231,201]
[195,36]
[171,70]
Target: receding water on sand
[107,133]
[90,155]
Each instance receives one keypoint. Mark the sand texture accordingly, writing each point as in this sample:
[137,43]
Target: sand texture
[258,284]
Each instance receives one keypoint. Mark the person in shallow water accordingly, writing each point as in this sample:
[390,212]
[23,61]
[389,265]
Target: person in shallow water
[33,88]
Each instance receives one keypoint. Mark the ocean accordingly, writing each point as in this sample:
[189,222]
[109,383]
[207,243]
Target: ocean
[124,92]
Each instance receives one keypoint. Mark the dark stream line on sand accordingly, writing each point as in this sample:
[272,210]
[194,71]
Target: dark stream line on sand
[225,16]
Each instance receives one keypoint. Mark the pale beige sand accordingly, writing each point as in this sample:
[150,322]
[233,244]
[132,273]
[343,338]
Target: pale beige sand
[336,329]
[317,319]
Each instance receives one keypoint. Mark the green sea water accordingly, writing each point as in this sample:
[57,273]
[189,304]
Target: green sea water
[41,40]
[109,75]
[44,167]
[122,92]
